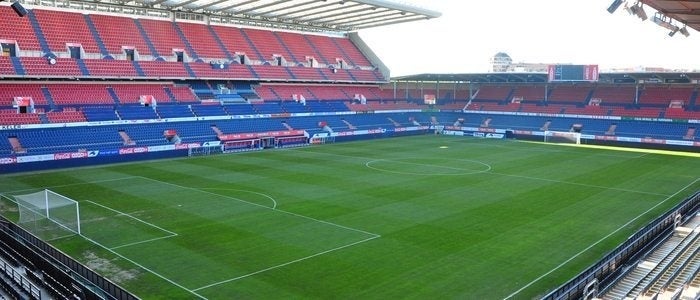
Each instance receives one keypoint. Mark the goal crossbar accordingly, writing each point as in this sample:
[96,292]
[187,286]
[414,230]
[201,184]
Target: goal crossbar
[60,210]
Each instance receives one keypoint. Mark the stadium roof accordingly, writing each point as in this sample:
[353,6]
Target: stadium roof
[305,15]
[512,77]
[686,12]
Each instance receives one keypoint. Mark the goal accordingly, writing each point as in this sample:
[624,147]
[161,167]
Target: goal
[562,137]
[48,214]
[205,150]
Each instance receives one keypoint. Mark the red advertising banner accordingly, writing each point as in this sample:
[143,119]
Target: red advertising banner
[134,150]
[653,141]
[69,155]
[7,160]
[590,72]
[248,136]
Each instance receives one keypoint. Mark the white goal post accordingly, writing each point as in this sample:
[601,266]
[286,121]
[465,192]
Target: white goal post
[563,137]
[48,214]
[205,150]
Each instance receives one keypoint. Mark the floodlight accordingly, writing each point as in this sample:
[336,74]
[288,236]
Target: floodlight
[672,32]
[614,5]
[684,31]
[638,10]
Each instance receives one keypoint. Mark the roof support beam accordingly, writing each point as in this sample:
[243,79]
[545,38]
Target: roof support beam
[209,4]
[284,8]
[236,5]
[262,6]
[369,16]
[339,13]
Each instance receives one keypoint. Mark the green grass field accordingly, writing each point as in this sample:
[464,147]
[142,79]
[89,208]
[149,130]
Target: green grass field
[417,217]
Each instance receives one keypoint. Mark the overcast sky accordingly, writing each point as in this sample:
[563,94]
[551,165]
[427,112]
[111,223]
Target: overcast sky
[469,32]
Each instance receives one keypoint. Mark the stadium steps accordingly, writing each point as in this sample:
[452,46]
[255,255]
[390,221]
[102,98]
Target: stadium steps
[252,71]
[96,36]
[486,123]
[289,127]
[545,126]
[138,68]
[220,43]
[150,45]
[170,94]
[656,262]
[396,124]
[83,68]
[664,275]
[686,276]
[188,46]
[290,73]
[274,92]
[252,46]
[17,64]
[48,97]
[316,51]
[39,33]
[379,78]
[44,119]
[349,74]
[693,99]
[125,137]
[322,74]
[113,94]
[588,97]
[350,126]
[342,50]
[690,134]
[611,129]
[217,130]
[16,145]
[189,70]
[434,121]
[670,274]
[289,51]
[313,96]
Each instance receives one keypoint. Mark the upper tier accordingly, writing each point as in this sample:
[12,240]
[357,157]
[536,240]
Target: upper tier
[102,46]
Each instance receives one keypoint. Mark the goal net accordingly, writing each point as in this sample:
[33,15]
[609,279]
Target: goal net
[205,150]
[48,215]
[562,137]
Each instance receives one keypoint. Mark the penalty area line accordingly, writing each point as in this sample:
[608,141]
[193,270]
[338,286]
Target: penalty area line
[284,264]
[599,241]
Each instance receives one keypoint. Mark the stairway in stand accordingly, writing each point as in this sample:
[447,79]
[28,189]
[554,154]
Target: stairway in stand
[125,137]
[16,145]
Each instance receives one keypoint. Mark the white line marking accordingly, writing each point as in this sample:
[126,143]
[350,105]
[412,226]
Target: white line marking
[69,184]
[274,203]
[520,176]
[599,241]
[144,267]
[130,216]
[263,206]
[144,241]
[398,161]
[284,264]
[579,184]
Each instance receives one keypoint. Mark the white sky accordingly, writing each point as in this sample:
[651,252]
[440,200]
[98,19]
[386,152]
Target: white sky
[469,32]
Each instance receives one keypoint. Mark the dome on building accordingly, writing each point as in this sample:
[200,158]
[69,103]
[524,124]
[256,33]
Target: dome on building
[501,62]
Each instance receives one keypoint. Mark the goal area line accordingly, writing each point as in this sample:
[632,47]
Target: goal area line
[137,261]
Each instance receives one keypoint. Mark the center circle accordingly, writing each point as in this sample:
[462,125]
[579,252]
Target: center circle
[429,166]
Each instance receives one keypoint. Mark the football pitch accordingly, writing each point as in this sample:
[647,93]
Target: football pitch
[414,217]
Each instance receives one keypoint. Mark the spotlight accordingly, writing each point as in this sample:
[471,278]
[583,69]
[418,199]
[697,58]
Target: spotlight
[684,31]
[672,32]
[614,5]
[638,10]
